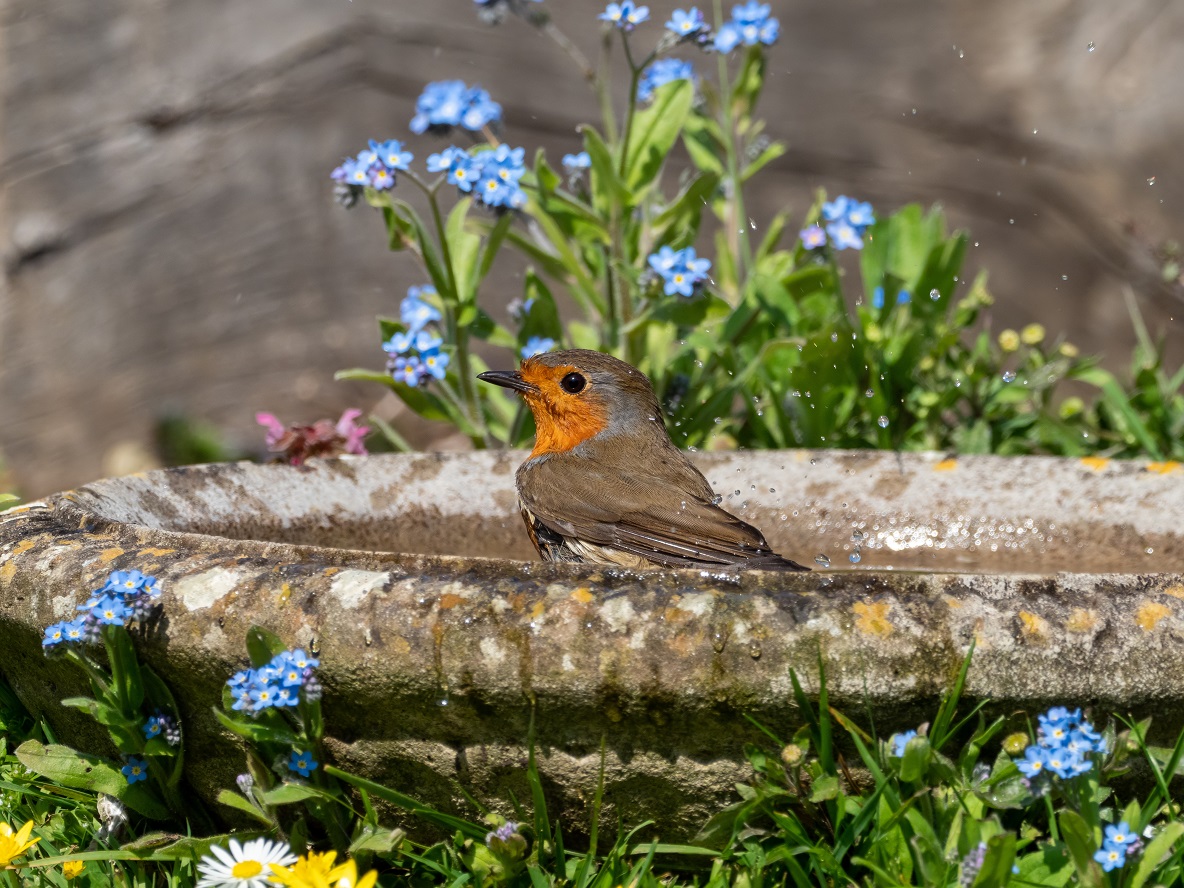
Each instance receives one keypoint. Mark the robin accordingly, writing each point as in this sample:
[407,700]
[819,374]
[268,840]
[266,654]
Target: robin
[605,484]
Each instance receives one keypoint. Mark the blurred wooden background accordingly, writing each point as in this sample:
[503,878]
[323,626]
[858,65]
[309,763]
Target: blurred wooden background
[170,241]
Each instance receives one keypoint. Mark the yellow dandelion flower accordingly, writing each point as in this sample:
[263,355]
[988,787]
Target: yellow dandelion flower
[14,844]
[71,868]
[313,870]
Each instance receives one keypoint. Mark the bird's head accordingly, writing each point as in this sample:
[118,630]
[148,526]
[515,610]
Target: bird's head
[578,394]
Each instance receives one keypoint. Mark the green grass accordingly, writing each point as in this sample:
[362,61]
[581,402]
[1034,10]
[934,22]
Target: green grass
[831,805]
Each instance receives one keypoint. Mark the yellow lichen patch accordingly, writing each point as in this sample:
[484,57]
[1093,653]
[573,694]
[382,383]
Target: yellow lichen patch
[8,570]
[537,610]
[1081,620]
[582,595]
[952,602]
[516,601]
[872,619]
[1164,468]
[285,593]
[1034,625]
[23,546]
[450,600]
[329,571]
[109,555]
[1096,463]
[158,553]
[1150,613]
[675,615]
[1176,591]
[946,465]
[400,645]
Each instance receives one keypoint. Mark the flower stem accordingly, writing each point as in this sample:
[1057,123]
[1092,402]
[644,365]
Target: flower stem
[735,220]
[572,51]
[460,335]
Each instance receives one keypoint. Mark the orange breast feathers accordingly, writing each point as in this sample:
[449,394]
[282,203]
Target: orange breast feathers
[562,421]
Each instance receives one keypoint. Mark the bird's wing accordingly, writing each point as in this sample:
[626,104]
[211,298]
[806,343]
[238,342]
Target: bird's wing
[657,521]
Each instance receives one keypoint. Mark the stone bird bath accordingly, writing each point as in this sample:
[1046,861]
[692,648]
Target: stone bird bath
[439,636]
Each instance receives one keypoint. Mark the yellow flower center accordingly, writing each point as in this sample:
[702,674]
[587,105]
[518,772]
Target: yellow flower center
[71,868]
[246,869]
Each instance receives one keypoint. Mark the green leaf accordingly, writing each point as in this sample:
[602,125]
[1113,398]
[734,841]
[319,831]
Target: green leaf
[655,130]
[608,190]
[916,759]
[705,144]
[996,869]
[263,645]
[376,840]
[1079,839]
[746,89]
[543,317]
[770,154]
[232,799]
[256,731]
[360,374]
[494,238]
[1158,848]
[679,222]
[448,821]
[63,765]
[1050,866]
[125,669]
[824,788]
[289,793]
[464,250]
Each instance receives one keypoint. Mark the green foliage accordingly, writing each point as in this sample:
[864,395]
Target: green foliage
[777,351]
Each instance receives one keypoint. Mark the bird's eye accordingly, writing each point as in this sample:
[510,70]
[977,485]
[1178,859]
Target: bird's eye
[573,383]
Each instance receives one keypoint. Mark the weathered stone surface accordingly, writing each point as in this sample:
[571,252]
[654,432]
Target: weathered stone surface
[434,662]
[170,243]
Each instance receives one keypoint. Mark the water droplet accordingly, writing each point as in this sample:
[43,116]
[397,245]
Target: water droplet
[935,294]
[772,490]
[834,337]
[823,560]
[858,536]
[1011,221]
[855,558]
[737,491]
[717,499]
[1151,181]
[443,701]
[718,641]
[1089,47]
[882,422]
[1064,277]
[1150,551]
[754,651]
[813,462]
[869,394]
[752,224]
[1009,376]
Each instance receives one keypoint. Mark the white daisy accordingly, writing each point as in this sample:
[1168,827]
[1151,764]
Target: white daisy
[243,866]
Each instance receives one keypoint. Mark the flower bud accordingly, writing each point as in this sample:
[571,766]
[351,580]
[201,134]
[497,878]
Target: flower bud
[1015,744]
[1009,340]
[792,755]
[1033,334]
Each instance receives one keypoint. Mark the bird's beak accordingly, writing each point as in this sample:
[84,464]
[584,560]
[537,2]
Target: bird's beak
[510,379]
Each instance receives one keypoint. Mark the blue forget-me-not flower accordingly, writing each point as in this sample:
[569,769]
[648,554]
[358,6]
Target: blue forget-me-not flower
[625,15]
[660,73]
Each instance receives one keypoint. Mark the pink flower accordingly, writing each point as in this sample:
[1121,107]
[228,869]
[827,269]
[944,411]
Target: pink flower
[296,443]
[275,428]
[348,428]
